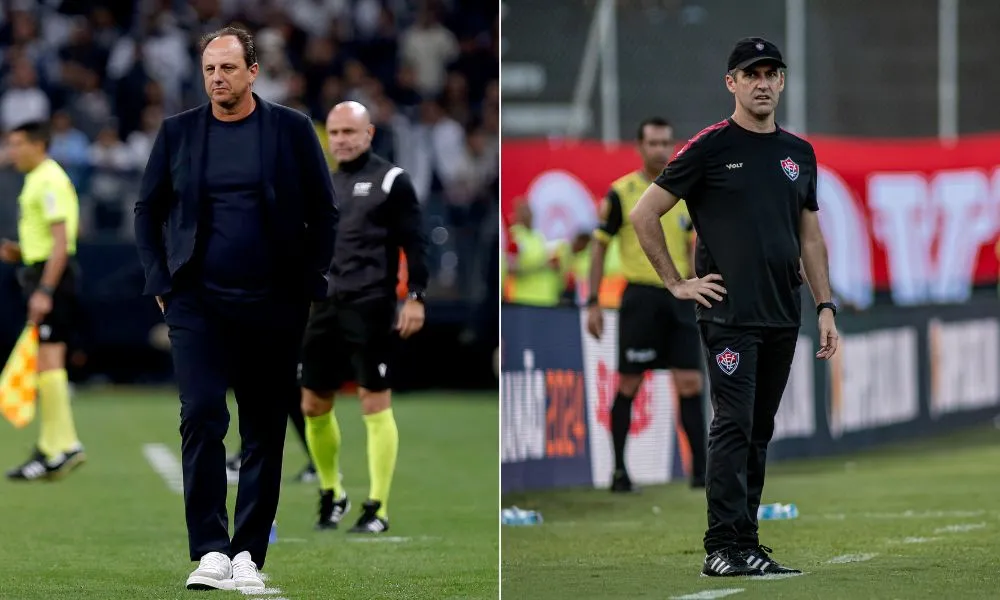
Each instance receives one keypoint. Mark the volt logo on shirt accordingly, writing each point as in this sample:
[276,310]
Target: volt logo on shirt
[732,166]
[362,188]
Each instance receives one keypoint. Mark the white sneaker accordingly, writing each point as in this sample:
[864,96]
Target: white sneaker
[214,572]
[245,575]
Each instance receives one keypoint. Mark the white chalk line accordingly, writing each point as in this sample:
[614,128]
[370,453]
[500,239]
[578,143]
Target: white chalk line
[909,514]
[776,576]
[915,540]
[850,558]
[390,539]
[960,528]
[709,594]
[264,592]
[166,465]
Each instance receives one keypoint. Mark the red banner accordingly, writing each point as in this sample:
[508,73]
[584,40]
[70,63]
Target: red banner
[917,218]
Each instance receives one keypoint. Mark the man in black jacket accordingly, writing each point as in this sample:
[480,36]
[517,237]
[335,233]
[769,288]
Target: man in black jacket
[350,335]
[235,226]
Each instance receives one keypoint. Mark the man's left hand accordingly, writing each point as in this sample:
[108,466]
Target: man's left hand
[828,336]
[411,318]
[39,305]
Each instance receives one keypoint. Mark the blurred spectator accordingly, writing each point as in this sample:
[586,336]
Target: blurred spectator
[23,101]
[166,54]
[70,148]
[140,142]
[108,152]
[88,104]
[444,145]
[429,47]
[404,92]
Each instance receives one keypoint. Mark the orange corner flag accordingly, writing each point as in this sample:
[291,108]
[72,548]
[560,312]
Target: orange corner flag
[19,380]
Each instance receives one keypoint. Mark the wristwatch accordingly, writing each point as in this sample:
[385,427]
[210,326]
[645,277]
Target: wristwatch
[416,295]
[830,305]
[592,301]
[47,290]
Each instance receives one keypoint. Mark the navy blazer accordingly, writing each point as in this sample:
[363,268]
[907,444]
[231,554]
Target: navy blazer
[300,211]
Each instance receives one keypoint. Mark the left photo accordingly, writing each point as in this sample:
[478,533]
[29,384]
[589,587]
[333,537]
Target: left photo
[249,258]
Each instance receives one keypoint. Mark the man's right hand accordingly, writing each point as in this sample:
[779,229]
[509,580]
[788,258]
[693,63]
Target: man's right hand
[698,289]
[10,252]
[595,321]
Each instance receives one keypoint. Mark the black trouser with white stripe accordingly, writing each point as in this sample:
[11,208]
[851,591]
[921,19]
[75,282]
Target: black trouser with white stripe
[748,368]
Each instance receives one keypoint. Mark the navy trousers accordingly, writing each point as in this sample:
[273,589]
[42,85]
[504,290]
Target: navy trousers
[253,348]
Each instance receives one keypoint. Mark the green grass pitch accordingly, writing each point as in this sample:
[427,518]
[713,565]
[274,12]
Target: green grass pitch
[920,520]
[114,530]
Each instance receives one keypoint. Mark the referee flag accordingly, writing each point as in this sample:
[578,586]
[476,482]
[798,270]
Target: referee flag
[19,380]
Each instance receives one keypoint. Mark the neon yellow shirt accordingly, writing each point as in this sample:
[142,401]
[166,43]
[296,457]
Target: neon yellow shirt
[47,197]
[677,230]
[537,282]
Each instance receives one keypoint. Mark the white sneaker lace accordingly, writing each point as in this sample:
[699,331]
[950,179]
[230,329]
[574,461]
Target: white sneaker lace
[213,562]
[245,569]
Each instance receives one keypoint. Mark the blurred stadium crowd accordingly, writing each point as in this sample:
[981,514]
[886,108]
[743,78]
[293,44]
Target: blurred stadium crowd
[107,72]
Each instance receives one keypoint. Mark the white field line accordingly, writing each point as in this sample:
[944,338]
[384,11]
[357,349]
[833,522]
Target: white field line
[960,528]
[709,594]
[166,465]
[850,558]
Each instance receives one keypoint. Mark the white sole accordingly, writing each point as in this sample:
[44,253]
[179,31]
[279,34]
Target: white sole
[199,582]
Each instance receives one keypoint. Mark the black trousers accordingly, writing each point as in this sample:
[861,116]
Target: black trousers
[253,348]
[748,368]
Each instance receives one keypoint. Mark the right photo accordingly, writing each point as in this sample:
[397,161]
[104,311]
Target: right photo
[750,330]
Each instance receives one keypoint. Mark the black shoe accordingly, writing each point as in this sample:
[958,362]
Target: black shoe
[728,562]
[331,511]
[307,475]
[39,467]
[759,558]
[66,462]
[33,469]
[369,522]
[622,484]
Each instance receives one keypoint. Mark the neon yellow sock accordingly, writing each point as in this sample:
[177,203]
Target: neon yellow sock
[383,444]
[323,439]
[58,433]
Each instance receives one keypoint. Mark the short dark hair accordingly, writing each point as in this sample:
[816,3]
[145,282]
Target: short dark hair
[241,34]
[36,131]
[640,134]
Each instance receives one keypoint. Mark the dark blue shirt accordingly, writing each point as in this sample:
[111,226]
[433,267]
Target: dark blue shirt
[236,259]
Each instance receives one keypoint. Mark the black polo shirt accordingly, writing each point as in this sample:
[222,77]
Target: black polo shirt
[746,192]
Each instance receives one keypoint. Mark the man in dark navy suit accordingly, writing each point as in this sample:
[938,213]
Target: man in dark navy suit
[235,227]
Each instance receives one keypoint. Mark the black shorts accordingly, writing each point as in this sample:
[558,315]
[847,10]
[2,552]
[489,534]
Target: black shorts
[348,341]
[59,326]
[656,331]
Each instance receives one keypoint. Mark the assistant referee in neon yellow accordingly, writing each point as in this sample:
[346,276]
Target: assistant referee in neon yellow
[47,231]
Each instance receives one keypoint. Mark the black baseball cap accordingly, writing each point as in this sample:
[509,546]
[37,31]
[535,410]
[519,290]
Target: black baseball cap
[753,50]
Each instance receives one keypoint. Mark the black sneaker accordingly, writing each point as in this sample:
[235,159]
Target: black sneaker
[39,467]
[369,522]
[728,562]
[759,558]
[331,511]
[32,470]
[65,463]
[622,484]
[307,475]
